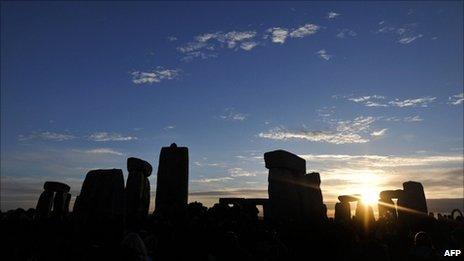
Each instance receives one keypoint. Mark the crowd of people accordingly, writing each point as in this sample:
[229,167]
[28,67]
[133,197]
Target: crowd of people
[225,232]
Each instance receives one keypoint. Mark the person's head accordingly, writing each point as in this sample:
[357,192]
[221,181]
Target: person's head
[422,239]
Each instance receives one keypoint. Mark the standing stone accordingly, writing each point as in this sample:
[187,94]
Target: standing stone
[61,204]
[53,201]
[286,170]
[386,205]
[99,209]
[45,204]
[311,198]
[412,204]
[364,214]
[172,180]
[342,212]
[137,190]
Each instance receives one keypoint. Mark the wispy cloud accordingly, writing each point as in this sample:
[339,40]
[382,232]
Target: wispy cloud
[305,30]
[154,76]
[239,172]
[456,99]
[418,102]
[169,127]
[232,115]
[104,151]
[412,119]
[211,180]
[47,136]
[107,136]
[324,55]
[405,34]
[379,133]
[369,101]
[345,132]
[278,34]
[205,45]
[171,38]
[247,46]
[343,33]
[332,15]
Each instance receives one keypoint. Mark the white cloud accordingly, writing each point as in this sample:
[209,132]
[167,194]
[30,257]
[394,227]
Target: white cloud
[211,180]
[169,127]
[405,34]
[303,31]
[379,133]
[332,15]
[239,172]
[247,46]
[375,161]
[203,45]
[231,114]
[46,135]
[155,76]
[104,151]
[413,119]
[278,34]
[456,99]
[344,132]
[369,101]
[171,38]
[409,39]
[419,102]
[106,136]
[324,55]
[345,33]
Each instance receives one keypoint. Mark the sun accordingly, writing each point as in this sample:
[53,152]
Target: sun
[369,196]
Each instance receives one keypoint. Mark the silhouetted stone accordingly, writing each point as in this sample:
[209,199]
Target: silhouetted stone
[389,194]
[386,208]
[137,190]
[342,212]
[364,214]
[99,209]
[411,204]
[61,204]
[172,179]
[56,186]
[138,165]
[285,160]
[286,189]
[45,204]
[312,205]
[348,198]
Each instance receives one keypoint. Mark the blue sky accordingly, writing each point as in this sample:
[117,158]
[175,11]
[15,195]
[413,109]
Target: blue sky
[363,91]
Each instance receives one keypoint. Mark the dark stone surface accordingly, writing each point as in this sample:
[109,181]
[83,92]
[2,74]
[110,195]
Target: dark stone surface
[45,204]
[137,191]
[389,194]
[286,160]
[56,186]
[364,214]
[139,165]
[387,208]
[412,206]
[172,179]
[348,198]
[342,212]
[61,204]
[99,210]
[311,198]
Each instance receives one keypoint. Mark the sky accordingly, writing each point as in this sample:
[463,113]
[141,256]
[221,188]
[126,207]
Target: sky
[369,93]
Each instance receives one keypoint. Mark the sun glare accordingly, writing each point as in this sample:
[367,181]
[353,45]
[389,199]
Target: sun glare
[369,196]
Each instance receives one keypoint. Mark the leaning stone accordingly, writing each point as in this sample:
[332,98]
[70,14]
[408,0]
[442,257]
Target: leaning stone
[285,160]
[56,186]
